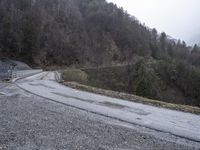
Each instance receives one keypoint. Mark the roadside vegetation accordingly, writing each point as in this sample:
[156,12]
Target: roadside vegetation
[133,98]
[159,80]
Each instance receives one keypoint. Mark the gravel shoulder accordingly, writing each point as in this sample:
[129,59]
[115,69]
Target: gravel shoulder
[31,122]
[3,84]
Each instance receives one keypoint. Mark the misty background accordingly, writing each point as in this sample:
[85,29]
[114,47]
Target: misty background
[180,19]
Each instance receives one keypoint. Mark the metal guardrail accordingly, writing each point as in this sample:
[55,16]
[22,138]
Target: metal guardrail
[25,73]
[58,76]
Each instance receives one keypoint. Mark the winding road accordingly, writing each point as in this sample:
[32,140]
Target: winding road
[140,126]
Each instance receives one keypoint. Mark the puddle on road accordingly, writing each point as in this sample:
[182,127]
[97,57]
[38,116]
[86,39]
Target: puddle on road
[126,108]
[107,104]
[39,84]
[112,105]
[138,111]
[67,96]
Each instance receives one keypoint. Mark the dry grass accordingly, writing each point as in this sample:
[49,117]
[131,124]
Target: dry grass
[75,75]
[134,98]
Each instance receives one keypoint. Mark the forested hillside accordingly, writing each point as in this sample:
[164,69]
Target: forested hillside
[94,33]
[66,32]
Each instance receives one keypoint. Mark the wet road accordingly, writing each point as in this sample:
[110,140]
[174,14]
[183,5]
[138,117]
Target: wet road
[174,122]
[28,121]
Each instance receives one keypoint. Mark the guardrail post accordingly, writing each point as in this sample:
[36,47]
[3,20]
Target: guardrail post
[24,73]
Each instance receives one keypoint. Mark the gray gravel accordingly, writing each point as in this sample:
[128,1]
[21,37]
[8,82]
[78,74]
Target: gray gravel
[28,122]
[3,84]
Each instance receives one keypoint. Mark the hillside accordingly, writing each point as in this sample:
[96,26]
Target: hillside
[89,32]
[93,33]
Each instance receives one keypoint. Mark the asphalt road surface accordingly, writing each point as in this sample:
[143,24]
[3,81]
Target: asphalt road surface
[30,120]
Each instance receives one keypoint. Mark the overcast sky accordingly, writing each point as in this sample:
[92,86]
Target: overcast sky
[178,18]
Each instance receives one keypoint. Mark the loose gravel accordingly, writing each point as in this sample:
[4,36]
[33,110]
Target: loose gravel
[28,122]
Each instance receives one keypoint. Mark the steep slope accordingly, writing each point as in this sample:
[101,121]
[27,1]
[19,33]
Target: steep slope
[77,32]
[47,32]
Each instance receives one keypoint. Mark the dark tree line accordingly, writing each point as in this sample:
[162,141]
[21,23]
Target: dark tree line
[91,33]
[66,32]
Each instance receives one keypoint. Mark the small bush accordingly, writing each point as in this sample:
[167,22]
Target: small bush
[75,75]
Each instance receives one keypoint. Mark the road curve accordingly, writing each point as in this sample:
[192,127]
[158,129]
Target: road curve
[177,123]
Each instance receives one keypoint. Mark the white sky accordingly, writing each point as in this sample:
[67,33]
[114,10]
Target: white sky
[178,18]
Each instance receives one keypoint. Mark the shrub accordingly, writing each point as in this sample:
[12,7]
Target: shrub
[75,75]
